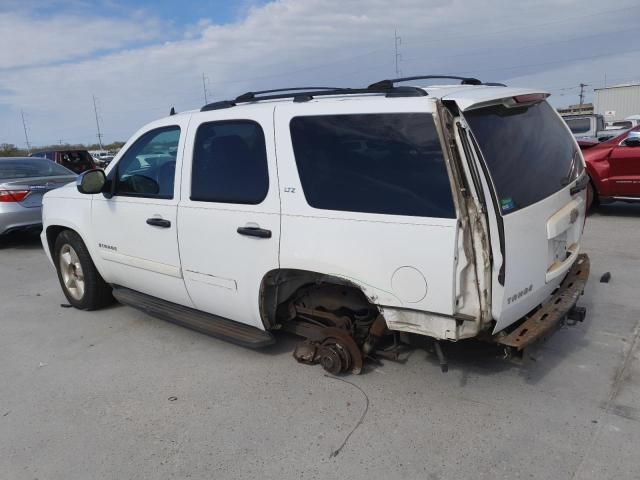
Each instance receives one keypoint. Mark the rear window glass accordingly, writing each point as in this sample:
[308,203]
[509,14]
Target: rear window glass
[528,151]
[30,167]
[579,125]
[373,163]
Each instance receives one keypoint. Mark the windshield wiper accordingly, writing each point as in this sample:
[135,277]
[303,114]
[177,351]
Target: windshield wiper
[572,171]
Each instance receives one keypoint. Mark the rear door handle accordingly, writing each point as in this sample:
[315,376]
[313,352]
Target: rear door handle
[158,222]
[254,232]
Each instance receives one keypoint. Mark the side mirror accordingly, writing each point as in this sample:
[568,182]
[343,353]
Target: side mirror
[91,181]
[632,141]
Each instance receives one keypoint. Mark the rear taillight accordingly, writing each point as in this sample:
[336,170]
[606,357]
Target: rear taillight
[530,97]
[12,196]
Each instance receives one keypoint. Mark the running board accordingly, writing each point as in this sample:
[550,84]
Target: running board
[219,327]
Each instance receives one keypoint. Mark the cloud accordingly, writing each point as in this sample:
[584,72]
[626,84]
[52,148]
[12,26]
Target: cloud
[545,43]
[29,41]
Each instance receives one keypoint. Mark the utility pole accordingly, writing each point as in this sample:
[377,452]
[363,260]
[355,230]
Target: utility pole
[26,135]
[95,110]
[398,56]
[582,85]
[204,88]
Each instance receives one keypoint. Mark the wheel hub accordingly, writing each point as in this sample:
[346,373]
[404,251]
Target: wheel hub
[71,272]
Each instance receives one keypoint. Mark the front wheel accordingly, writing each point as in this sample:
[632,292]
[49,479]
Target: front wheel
[81,283]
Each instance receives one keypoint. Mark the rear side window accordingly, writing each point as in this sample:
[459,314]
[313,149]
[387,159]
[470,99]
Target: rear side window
[230,163]
[373,163]
[528,151]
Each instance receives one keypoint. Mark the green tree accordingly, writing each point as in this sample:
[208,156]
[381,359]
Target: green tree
[10,150]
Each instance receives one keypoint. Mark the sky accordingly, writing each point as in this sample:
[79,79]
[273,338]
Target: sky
[139,58]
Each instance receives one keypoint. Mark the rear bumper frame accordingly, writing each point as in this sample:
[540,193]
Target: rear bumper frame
[553,312]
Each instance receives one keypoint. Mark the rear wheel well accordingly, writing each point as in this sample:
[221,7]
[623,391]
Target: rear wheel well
[280,286]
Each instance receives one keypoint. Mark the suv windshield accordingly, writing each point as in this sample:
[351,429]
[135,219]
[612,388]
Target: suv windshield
[30,167]
[528,151]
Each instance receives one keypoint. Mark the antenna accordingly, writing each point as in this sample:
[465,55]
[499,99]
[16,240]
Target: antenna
[582,85]
[205,79]
[95,110]
[398,56]
[26,135]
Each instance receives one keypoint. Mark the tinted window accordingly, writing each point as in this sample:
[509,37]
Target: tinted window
[230,163]
[76,160]
[30,167]
[626,124]
[529,153]
[579,125]
[148,168]
[48,155]
[373,163]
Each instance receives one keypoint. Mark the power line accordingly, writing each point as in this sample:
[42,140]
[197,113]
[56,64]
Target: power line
[95,110]
[26,135]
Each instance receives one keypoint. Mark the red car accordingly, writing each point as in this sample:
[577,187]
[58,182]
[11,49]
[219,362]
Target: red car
[614,168]
[77,161]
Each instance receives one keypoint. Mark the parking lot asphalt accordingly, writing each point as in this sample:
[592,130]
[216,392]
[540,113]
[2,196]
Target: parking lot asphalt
[116,394]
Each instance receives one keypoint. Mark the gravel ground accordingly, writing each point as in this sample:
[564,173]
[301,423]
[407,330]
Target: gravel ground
[116,394]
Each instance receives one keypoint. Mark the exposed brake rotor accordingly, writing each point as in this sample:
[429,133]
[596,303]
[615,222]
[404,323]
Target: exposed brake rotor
[334,349]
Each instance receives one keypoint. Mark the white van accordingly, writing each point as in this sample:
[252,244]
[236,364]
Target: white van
[345,216]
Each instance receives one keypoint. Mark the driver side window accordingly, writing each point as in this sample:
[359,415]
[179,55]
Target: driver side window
[148,168]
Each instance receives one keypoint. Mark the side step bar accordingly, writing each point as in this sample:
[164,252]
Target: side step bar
[219,327]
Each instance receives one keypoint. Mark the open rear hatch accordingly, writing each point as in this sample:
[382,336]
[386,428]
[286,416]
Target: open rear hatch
[535,174]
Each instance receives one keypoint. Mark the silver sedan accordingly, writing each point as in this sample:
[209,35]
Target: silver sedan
[23,182]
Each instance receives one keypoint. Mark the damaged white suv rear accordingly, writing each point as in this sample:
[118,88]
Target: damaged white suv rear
[356,219]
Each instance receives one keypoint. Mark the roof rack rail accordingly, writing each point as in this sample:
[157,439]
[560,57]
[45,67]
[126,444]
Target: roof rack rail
[390,83]
[248,96]
[304,94]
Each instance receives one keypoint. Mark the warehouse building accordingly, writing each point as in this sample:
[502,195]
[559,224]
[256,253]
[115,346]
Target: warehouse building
[618,102]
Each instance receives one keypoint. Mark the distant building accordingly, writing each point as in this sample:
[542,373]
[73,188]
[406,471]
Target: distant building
[584,109]
[618,102]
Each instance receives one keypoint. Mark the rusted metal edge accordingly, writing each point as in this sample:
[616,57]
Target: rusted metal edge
[544,320]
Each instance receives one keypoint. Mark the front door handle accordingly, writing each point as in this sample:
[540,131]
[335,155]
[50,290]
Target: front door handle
[158,222]
[254,231]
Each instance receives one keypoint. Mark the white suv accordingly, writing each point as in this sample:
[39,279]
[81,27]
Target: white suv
[350,217]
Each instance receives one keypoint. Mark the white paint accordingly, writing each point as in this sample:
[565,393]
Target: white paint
[407,265]
[409,284]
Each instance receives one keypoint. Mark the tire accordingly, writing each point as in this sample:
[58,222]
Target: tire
[592,197]
[81,283]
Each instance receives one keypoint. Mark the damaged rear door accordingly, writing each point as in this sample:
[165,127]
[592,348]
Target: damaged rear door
[535,175]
